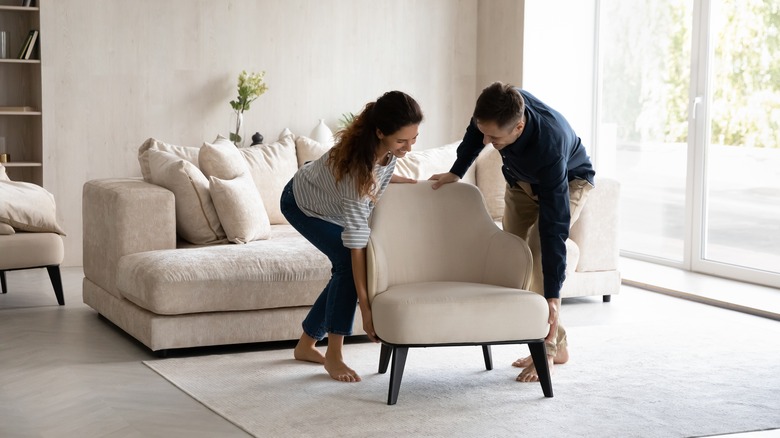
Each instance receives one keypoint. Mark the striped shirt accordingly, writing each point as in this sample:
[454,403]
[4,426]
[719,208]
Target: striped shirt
[318,195]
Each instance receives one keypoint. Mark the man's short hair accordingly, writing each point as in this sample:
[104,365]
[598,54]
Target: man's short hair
[500,103]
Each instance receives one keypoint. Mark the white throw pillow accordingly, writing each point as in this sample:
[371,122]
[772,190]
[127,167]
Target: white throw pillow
[272,166]
[240,208]
[6,230]
[196,218]
[421,164]
[308,150]
[28,207]
[3,175]
[221,159]
[184,152]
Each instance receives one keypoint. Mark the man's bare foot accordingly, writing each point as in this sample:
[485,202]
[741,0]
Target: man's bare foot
[338,370]
[529,373]
[308,353]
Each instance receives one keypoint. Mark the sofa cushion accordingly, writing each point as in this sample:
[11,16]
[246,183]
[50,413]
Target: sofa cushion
[3,174]
[308,150]
[196,217]
[221,159]
[490,181]
[6,230]
[240,208]
[28,207]
[272,166]
[184,152]
[283,271]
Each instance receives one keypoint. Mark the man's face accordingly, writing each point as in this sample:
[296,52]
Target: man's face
[500,137]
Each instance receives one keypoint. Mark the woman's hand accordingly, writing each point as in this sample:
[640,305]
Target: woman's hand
[368,324]
[401,179]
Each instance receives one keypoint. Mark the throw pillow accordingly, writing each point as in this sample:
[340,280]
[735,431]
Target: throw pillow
[6,230]
[240,208]
[3,175]
[184,152]
[28,207]
[196,218]
[308,149]
[272,166]
[421,164]
[221,159]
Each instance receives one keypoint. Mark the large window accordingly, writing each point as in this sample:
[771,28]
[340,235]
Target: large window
[688,113]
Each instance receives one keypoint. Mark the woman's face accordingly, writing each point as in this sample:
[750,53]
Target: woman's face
[399,142]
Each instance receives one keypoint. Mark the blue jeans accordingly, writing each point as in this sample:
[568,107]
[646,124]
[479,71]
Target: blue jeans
[334,310]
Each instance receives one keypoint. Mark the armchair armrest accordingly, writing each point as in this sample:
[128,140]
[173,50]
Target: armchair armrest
[124,216]
[508,261]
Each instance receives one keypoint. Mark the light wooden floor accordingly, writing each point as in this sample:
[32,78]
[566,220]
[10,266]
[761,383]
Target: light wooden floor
[65,372]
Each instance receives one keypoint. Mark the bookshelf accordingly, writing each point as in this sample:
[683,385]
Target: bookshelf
[21,135]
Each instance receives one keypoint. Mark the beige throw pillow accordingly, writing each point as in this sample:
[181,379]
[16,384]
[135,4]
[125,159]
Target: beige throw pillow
[184,152]
[6,230]
[421,164]
[308,150]
[28,207]
[221,159]
[272,166]
[240,208]
[196,218]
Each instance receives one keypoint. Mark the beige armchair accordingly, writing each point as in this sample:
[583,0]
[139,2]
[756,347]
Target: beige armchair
[33,250]
[441,273]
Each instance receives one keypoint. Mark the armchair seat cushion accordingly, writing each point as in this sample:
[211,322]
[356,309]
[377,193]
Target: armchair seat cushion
[444,312]
[28,250]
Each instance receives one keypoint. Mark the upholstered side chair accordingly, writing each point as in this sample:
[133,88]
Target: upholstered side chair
[33,250]
[441,273]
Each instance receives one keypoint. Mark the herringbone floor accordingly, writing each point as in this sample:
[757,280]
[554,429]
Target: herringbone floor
[65,372]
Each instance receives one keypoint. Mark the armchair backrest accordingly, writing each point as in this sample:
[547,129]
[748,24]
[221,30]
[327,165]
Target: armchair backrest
[419,235]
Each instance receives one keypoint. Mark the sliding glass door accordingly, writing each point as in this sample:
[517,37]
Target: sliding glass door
[688,119]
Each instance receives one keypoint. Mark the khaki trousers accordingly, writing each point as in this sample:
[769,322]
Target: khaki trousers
[520,213]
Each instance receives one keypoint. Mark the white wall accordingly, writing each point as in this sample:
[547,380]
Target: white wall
[117,72]
[558,59]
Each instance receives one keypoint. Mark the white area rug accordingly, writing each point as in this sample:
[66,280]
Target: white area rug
[652,374]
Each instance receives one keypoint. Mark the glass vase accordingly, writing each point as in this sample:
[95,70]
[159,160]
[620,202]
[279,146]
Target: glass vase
[237,128]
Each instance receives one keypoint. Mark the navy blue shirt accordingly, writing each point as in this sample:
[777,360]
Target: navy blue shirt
[548,154]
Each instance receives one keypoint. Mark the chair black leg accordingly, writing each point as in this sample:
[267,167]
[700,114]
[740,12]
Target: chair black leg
[396,373]
[2,281]
[56,281]
[539,355]
[606,298]
[384,358]
[488,357]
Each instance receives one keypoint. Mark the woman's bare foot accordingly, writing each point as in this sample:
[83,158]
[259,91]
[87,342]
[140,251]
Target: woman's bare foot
[306,351]
[338,370]
[529,373]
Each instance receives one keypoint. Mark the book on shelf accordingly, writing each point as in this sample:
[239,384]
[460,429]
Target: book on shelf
[25,46]
[31,46]
[17,109]
[27,3]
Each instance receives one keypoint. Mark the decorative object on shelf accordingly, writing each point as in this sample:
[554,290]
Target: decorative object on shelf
[3,44]
[257,138]
[346,120]
[250,87]
[5,158]
[322,134]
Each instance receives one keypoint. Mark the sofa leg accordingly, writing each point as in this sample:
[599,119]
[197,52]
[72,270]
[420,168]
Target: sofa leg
[2,281]
[396,373]
[607,298]
[56,282]
[539,356]
[488,355]
[384,358]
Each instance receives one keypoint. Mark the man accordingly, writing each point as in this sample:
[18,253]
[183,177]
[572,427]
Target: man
[548,175]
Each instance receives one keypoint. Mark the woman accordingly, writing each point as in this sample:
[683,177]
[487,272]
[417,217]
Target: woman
[329,201]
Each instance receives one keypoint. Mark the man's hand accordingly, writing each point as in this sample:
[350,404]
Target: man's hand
[401,179]
[555,307]
[443,178]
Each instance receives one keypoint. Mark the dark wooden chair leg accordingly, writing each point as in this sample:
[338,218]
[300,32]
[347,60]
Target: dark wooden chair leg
[396,373]
[606,298]
[56,281]
[488,357]
[2,281]
[539,356]
[384,358]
